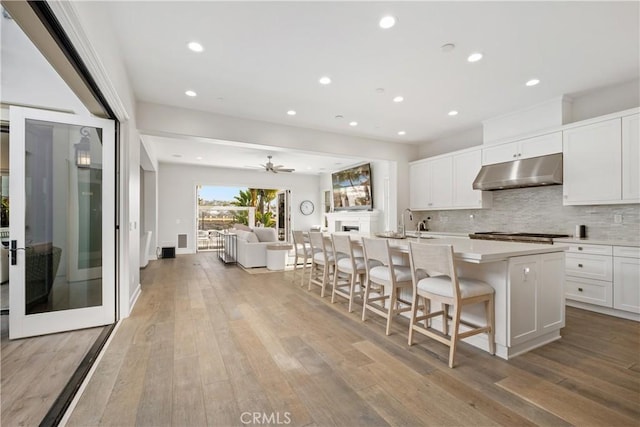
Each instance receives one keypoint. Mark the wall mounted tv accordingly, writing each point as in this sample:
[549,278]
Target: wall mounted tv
[353,189]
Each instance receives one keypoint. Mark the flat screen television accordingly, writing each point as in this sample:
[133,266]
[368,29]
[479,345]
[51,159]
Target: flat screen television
[353,189]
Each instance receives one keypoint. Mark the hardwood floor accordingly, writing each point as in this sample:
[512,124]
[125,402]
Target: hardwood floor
[35,371]
[209,344]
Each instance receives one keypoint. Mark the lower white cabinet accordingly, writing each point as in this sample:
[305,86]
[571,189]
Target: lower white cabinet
[536,302]
[626,280]
[603,278]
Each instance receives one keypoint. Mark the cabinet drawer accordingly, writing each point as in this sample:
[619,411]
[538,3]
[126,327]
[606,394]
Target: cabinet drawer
[626,251]
[590,291]
[596,267]
[579,248]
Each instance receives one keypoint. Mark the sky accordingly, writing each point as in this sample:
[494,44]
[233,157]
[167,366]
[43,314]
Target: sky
[219,193]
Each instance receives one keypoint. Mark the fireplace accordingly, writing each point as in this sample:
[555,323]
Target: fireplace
[361,221]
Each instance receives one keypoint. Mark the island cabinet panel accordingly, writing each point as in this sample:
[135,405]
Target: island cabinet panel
[536,301]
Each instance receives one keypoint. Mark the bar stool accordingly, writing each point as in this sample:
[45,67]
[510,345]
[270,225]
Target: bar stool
[322,261]
[389,278]
[352,269]
[445,287]
[302,250]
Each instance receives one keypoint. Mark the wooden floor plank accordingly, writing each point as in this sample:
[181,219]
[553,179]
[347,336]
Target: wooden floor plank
[234,345]
[572,407]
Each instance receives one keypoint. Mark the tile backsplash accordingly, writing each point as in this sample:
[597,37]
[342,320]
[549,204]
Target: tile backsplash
[540,210]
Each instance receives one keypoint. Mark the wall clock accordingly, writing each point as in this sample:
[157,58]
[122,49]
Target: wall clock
[306,207]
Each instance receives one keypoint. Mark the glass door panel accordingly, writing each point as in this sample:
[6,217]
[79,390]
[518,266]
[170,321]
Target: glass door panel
[62,275]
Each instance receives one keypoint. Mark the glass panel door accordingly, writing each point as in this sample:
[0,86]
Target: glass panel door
[62,222]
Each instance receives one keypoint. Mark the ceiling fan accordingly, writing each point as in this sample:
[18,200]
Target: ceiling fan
[270,167]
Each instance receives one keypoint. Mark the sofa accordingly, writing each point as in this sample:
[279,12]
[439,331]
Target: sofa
[252,245]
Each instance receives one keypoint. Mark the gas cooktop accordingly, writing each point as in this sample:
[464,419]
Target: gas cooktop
[517,237]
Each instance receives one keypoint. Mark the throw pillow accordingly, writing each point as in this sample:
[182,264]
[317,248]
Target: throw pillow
[266,234]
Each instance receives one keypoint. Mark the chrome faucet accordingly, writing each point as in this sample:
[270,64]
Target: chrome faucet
[402,227]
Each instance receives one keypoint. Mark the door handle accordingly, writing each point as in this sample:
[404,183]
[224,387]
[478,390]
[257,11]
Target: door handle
[14,251]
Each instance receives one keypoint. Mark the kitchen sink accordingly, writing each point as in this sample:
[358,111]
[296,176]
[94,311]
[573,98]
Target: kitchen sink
[391,235]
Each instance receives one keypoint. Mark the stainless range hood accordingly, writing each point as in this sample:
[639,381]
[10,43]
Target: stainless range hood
[533,172]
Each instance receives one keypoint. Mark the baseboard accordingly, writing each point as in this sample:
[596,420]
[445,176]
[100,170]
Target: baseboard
[134,298]
[604,310]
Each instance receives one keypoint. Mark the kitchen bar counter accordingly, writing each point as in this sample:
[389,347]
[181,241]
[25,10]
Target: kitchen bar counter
[481,251]
[528,279]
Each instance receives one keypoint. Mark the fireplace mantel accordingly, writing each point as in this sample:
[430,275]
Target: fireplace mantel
[366,221]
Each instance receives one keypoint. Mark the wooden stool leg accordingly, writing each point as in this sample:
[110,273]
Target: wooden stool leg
[352,291]
[490,315]
[414,314]
[445,318]
[365,299]
[454,333]
[391,311]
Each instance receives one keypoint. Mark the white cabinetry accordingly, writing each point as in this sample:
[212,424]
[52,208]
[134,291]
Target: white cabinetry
[523,149]
[440,183]
[445,182]
[602,162]
[589,274]
[536,303]
[466,166]
[418,182]
[592,157]
[431,183]
[631,159]
[626,278]
[604,278]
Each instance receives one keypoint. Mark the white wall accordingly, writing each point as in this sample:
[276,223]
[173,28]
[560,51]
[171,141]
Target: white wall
[90,32]
[177,197]
[161,120]
[586,105]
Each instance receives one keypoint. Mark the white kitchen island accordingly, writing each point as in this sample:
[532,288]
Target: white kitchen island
[528,279]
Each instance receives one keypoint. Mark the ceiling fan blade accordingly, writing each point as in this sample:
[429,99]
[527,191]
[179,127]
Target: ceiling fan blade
[286,170]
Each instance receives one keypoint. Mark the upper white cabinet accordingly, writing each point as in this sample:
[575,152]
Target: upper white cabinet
[466,166]
[592,157]
[631,159]
[418,182]
[523,149]
[431,182]
[445,182]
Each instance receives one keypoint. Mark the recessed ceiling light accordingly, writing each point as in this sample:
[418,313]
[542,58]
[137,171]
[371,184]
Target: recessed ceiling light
[532,82]
[380,90]
[353,123]
[475,57]
[195,46]
[387,22]
[401,133]
[324,80]
[291,113]
[453,113]
[398,99]
[199,158]
[339,117]
[190,93]
[177,155]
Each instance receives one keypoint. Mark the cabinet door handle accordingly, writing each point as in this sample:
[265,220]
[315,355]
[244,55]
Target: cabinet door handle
[515,155]
[519,154]
[579,289]
[580,265]
[579,248]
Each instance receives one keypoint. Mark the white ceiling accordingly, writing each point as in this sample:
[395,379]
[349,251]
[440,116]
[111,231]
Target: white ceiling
[262,59]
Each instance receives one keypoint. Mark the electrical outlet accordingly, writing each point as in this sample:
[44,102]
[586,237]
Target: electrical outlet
[617,219]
